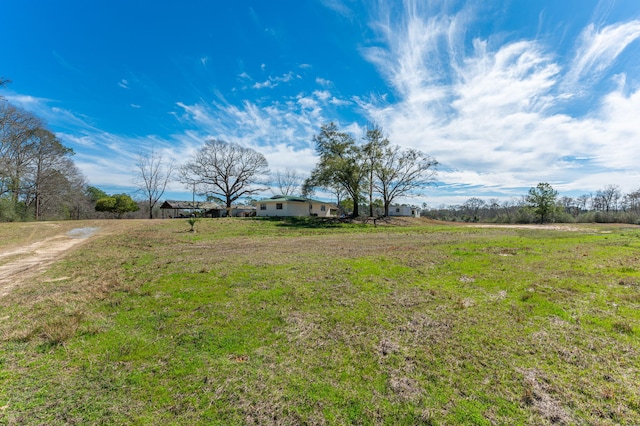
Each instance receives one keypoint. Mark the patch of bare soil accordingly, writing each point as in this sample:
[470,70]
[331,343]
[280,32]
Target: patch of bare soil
[399,221]
[555,227]
[18,264]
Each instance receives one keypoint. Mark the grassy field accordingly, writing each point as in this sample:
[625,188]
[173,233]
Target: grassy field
[272,322]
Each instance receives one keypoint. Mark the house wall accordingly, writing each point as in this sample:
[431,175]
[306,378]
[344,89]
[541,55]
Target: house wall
[403,211]
[295,208]
[288,209]
[316,209]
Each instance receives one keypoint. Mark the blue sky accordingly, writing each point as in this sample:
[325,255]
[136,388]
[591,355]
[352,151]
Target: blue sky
[504,94]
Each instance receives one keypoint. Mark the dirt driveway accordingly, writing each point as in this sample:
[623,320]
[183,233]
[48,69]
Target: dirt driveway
[17,264]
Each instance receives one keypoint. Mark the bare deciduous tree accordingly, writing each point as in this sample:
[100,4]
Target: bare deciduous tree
[373,151]
[400,173]
[473,206]
[18,145]
[287,182]
[37,176]
[632,201]
[226,170]
[607,198]
[51,163]
[153,175]
[583,201]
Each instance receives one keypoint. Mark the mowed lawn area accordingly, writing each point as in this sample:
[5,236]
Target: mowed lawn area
[250,321]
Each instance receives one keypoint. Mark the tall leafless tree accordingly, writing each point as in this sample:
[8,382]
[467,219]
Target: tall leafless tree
[51,163]
[152,176]
[18,148]
[286,182]
[372,152]
[607,198]
[226,170]
[583,201]
[36,170]
[632,201]
[401,173]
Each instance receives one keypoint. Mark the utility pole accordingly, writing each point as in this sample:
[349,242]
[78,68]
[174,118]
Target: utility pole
[193,198]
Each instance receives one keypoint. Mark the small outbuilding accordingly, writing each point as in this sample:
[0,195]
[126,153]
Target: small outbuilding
[280,205]
[234,211]
[406,211]
[175,208]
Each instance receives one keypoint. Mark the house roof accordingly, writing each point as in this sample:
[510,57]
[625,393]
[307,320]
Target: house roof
[235,207]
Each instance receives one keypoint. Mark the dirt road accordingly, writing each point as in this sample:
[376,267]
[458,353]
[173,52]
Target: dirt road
[21,263]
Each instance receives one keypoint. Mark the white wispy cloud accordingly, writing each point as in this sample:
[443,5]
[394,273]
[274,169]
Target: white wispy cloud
[323,95]
[106,159]
[123,83]
[46,110]
[496,114]
[27,102]
[282,131]
[338,6]
[597,49]
[323,82]
[64,63]
[272,82]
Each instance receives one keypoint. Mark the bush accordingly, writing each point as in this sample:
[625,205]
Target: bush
[118,204]
[563,217]
[525,215]
[7,211]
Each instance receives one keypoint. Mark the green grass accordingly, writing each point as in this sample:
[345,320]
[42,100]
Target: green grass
[310,322]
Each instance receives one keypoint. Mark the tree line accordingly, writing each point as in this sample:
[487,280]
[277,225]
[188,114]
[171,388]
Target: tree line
[543,204]
[38,178]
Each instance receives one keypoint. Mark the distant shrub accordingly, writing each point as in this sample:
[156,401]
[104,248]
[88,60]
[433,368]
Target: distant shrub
[525,215]
[7,210]
[563,217]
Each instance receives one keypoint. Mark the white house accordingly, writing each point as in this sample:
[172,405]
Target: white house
[295,206]
[404,211]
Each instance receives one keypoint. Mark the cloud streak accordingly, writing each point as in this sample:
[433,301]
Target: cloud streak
[272,82]
[497,115]
[598,49]
[283,131]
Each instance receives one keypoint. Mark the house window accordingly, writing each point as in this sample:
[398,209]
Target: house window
[278,206]
[263,206]
[397,210]
[323,208]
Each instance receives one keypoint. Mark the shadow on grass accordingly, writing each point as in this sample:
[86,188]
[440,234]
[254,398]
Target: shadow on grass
[310,222]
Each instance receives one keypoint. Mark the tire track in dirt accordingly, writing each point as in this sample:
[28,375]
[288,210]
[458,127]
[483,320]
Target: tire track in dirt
[26,262]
